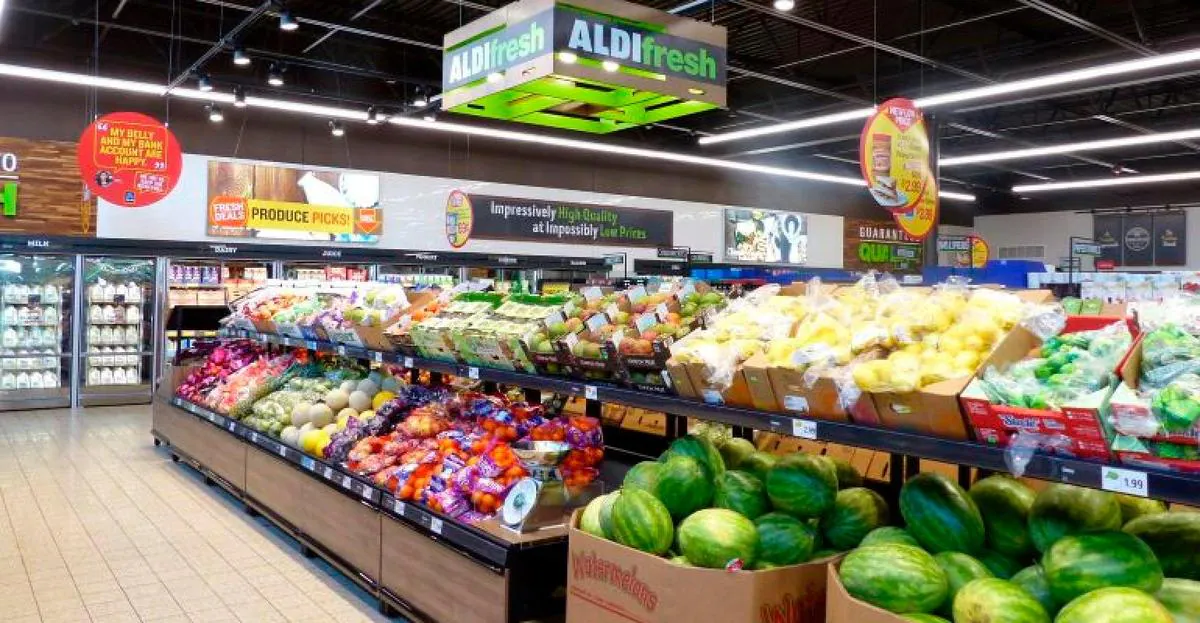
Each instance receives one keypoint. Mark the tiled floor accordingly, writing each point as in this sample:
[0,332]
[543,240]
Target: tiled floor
[97,524]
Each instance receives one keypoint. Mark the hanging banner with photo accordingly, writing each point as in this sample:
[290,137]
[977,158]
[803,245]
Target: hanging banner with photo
[1137,240]
[979,252]
[129,159]
[893,154]
[1170,239]
[765,236]
[1107,231]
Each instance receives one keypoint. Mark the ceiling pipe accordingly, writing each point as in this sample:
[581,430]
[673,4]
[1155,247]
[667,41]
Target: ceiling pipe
[331,26]
[217,47]
[329,33]
[1068,17]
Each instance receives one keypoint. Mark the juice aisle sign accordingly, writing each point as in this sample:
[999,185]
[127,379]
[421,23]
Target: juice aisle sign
[894,159]
[129,159]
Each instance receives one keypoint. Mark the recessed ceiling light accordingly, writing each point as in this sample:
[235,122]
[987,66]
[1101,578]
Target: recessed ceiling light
[568,57]
[610,66]
[495,76]
[695,91]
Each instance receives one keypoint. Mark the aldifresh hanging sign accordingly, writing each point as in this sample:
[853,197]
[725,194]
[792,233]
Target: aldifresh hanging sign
[592,65]
[894,159]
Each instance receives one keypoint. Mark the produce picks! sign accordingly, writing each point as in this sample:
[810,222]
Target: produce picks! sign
[894,158]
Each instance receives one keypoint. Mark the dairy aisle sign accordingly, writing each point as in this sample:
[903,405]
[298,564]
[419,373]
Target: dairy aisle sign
[594,65]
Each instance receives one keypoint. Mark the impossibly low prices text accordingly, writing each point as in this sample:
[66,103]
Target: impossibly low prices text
[508,218]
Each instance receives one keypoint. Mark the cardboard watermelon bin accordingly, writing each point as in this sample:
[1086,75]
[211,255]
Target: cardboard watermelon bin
[842,608]
[610,583]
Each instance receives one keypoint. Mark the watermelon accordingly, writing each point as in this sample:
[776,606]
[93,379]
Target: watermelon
[698,448]
[940,515]
[1062,509]
[855,513]
[606,508]
[992,600]
[889,534]
[1004,503]
[734,451]
[642,476]
[758,463]
[681,561]
[923,618]
[825,553]
[1001,566]
[960,569]
[718,537]
[1182,598]
[763,565]
[1033,580]
[802,485]
[589,520]
[1080,563]
[899,578]
[683,486]
[1133,507]
[741,492]
[1175,539]
[640,521]
[1114,605]
[784,540]
[847,476]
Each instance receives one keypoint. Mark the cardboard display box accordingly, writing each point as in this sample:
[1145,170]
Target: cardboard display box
[1130,417]
[788,391]
[610,583]
[842,608]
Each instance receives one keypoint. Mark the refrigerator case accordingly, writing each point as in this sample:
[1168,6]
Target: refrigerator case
[35,338]
[116,331]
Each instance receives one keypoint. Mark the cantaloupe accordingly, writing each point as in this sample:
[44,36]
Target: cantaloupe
[321,415]
[348,386]
[390,384]
[329,430]
[337,399]
[359,401]
[300,414]
[290,436]
[368,387]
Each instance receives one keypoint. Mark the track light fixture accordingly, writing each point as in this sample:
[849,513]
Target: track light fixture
[372,116]
[215,114]
[785,5]
[204,83]
[336,129]
[275,75]
[287,22]
[420,100]
[240,58]
[239,97]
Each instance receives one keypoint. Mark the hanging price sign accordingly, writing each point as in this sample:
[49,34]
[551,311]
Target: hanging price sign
[919,221]
[979,252]
[129,160]
[894,155]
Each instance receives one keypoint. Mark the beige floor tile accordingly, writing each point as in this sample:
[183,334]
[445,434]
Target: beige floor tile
[120,606]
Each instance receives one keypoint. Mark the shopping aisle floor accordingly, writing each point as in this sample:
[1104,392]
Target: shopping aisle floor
[99,525]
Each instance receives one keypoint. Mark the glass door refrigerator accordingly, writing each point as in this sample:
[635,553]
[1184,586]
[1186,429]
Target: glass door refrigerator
[36,295]
[116,331]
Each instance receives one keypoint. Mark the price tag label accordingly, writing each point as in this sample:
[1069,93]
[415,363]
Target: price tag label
[378,357]
[232,426]
[308,463]
[589,392]
[283,450]
[804,429]
[435,525]
[253,437]
[473,373]
[341,350]
[366,493]
[1127,481]
[408,362]
[346,482]
[399,508]
[328,473]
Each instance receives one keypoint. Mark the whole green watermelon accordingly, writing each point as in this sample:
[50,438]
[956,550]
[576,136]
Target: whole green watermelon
[1175,539]
[1182,598]
[1081,563]
[681,561]
[734,451]
[856,512]
[1033,580]
[847,476]
[1001,566]
[802,485]
[960,569]
[784,540]
[717,537]
[759,464]
[1004,504]
[606,508]
[1114,605]
[1062,509]
[683,486]
[640,521]
[921,617]
[889,534]
[898,578]
[1133,507]
[589,520]
[940,515]
[741,492]
[993,600]
[698,448]
[643,476]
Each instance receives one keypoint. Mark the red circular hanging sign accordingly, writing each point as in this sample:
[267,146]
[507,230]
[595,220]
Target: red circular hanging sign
[129,159]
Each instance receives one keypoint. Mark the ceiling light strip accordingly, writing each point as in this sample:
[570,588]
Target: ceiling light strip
[1110,143]
[1109,181]
[1003,88]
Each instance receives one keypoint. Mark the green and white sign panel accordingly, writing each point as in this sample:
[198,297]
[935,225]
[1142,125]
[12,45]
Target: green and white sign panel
[592,65]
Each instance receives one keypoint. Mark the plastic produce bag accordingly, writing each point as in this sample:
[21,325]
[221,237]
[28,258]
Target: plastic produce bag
[1177,406]
[1024,444]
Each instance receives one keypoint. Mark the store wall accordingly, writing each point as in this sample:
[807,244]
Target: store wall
[1053,230]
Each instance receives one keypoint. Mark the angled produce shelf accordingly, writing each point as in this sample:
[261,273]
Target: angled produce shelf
[1170,486]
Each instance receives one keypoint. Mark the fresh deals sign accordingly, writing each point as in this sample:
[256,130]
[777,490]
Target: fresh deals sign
[129,159]
[894,159]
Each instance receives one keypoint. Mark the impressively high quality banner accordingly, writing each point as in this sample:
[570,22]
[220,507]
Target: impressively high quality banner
[271,202]
[536,220]
[129,159]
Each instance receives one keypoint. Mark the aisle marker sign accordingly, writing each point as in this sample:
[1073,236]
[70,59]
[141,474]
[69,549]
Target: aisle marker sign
[129,159]
[1127,481]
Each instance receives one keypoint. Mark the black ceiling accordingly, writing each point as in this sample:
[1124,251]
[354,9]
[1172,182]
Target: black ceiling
[825,56]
